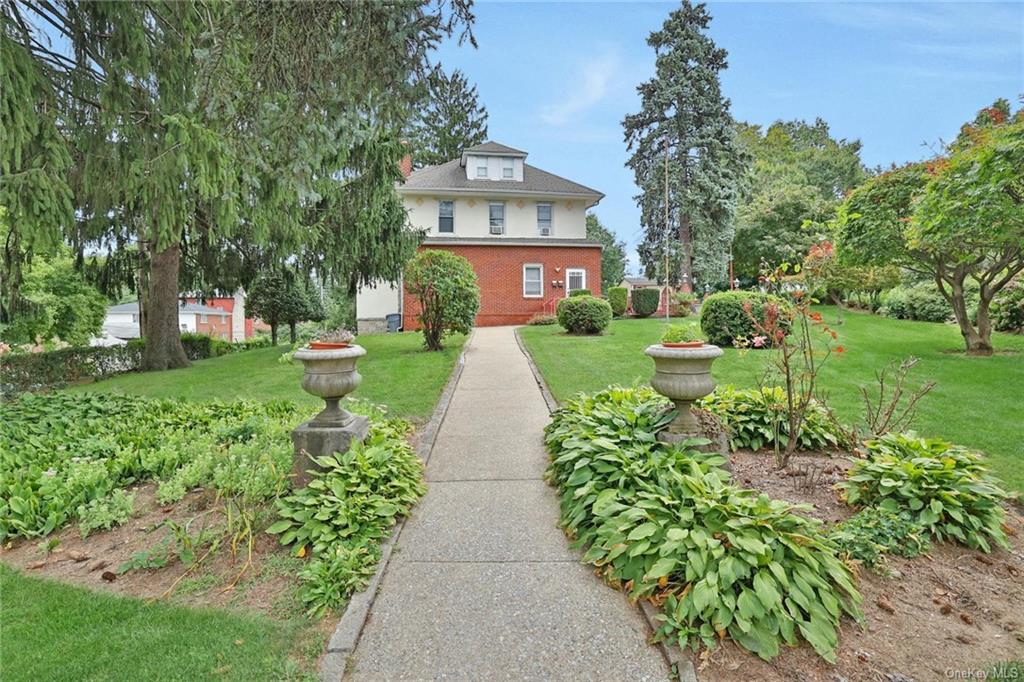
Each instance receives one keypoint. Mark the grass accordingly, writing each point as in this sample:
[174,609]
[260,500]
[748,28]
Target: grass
[58,632]
[396,371]
[977,402]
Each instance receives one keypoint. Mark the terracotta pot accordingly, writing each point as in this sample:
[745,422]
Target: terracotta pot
[331,374]
[682,344]
[327,345]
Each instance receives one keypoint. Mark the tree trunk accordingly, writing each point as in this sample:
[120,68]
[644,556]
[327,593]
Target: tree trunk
[273,333]
[291,332]
[686,259]
[978,341]
[163,348]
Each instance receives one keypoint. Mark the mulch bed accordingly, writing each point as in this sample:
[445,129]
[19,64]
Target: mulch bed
[955,609]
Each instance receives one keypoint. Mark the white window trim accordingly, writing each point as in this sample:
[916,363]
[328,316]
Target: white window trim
[510,166]
[533,265]
[550,205]
[504,218]
[568,278]
[439,202]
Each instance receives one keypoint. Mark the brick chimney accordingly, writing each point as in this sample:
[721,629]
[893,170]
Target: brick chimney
[405,165]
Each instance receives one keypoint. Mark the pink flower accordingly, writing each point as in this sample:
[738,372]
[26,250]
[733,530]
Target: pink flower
[759,341]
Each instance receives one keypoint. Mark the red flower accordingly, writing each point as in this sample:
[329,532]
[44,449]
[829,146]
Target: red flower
[816,317]
[840,349]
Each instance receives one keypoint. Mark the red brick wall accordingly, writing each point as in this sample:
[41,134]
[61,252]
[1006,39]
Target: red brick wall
[218,326]
[499,270]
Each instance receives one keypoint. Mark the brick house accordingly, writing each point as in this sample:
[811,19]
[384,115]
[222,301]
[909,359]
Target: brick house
[523,230]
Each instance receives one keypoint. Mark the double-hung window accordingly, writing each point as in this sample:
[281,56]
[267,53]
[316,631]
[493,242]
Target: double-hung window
[481,170]
[446,217]
[507,169]
[533,281]
[544,219]
[497,217]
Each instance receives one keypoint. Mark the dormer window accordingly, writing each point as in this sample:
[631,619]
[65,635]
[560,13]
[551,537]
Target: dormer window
[507,169]
[481,171]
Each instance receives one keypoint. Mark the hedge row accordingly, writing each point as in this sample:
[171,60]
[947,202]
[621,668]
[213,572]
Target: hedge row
[58,368]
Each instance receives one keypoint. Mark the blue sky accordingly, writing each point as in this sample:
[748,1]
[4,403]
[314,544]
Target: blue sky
[557,78]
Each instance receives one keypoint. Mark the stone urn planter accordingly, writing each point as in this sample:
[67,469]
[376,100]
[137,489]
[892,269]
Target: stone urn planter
[683,375]
[331,375]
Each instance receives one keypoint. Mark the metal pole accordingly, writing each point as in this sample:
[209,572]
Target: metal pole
[666,230]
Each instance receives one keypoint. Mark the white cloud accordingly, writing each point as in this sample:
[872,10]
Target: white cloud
[589,86]
[935,17]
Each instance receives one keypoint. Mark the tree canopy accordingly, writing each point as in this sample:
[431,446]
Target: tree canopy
[956,218]
[613,255]
[173,127]
[685,117]
[450,120]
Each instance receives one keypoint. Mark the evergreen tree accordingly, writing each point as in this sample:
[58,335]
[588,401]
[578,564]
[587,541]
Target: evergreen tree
[179,125]
[451,119]
[684,116]
[613,255]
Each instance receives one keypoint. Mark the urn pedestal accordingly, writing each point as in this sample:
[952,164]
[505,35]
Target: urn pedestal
[683,375]
[331,375]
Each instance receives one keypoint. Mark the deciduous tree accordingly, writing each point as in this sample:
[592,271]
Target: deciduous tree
[613,255]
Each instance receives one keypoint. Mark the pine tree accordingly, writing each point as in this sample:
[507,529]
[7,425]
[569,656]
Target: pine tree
[451,120]
[178,125]
[685,117]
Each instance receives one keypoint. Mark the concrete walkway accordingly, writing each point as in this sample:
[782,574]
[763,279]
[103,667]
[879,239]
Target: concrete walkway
[482,584]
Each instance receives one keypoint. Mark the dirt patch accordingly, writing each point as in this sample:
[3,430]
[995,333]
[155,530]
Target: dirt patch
[955,609]
[225,579]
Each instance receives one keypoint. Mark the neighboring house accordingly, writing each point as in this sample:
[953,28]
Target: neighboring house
[523,230]
[218,317]
[639,283]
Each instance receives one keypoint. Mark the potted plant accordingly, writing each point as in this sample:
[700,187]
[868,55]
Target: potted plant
[332,340]
[681,336]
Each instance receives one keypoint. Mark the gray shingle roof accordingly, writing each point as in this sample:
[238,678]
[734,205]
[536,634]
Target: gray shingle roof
[133,308]
[490,147]
[452,176]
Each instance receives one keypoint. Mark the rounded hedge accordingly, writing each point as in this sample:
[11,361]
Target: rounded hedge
[618,298]
[723,319]
[581,292]
[645,301]
[584,314]
[1007,308]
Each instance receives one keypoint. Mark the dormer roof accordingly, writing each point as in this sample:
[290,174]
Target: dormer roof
[491,148]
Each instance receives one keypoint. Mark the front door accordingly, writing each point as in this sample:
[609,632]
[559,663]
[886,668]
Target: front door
[575,278]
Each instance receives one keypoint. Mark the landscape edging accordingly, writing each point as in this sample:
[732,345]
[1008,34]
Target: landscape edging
[348,630]
[674,656]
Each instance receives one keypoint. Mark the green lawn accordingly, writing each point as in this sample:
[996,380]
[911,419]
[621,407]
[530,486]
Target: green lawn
[977,402]
[396,371]
[53,631]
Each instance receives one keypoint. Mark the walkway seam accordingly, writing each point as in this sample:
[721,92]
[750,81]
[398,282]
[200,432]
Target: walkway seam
[674,656]
[346,635]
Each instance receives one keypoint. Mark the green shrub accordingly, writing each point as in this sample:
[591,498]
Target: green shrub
[1008,308]
[580,292]
[723,319]
[645,301]
[663,522]
[872,533]
[584,314]
[618,298]
[445,287]
[944,486]
[541,319]
[348,506]
[682,304]
[922,301]
[750,416]
[104,514]
[680,333]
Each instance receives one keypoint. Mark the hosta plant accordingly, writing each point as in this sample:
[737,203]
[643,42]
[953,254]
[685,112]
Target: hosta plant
[664,523]
[756,418]
[945,487]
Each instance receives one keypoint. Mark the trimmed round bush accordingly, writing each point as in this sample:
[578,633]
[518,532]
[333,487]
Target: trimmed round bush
[580,292]
[584,314]
[1007,308]
[723,319]
[645,301]
[618,298]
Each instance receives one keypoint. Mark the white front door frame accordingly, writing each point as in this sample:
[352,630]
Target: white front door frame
[569,272]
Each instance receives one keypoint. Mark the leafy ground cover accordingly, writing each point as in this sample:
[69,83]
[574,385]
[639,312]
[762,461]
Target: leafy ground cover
[975,402]
[761,560]
[191,488]
[396,371]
